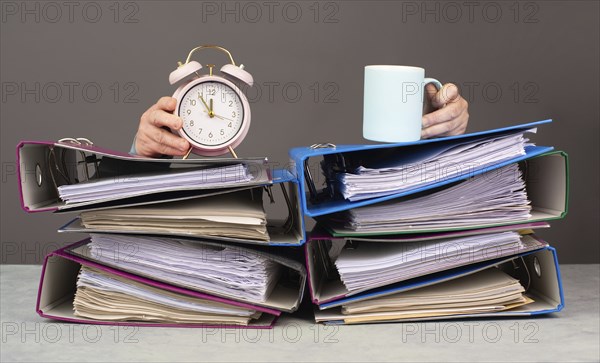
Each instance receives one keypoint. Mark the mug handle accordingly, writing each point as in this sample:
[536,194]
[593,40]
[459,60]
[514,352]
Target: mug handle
[434,81]
[438,85]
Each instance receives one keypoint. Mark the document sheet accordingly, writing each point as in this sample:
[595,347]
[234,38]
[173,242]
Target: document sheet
[133,185]
[367,265]
[221,270]
[495,197]
[104,296]
[237,215]
[428,164]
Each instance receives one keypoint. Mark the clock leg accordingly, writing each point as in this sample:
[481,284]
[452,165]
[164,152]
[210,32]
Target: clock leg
[232,152]
[188,153]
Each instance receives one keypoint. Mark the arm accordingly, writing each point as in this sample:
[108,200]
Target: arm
[447,114]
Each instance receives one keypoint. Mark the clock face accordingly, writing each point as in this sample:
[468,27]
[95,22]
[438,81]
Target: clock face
[212,113]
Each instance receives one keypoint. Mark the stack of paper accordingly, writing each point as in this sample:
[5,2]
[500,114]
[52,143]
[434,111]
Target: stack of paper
[486,291]
[235,215]
[225,271]
[428,164]
[370,265]
[495,197]
[107,297]
[140,184]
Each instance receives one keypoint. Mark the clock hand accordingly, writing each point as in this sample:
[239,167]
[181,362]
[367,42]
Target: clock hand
[220,117]
[210,113]
[223,118]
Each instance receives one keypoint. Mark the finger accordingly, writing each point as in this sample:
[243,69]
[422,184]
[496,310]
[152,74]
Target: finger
[430,90]
[160,118]
[439,129]
[166,103]
[445,114]
[447,94]
[452,127]
[165,139]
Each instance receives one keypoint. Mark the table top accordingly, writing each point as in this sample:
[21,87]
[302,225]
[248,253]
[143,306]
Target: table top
[570,335]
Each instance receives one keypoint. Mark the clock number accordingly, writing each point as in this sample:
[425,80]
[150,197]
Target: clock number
[210,135]
[212,92]
[229,125]
[200,95]
[223,97]
[192,123]
[222,132]
[232,113]
[193,102]
[200,131]
[188,111]
[230,103]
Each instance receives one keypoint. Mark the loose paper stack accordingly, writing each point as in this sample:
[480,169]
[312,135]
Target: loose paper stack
[368,265]
[103,296]
[236,215]
[140,184]
[428,164]
[225,271]
[486,291]
[495,197]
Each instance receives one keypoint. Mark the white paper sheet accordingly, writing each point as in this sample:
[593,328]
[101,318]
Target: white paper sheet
[227,271]
[429,165]
[126,186]
[498,196]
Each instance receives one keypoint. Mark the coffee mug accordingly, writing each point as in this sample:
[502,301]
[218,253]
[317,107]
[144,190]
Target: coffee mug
[393,102]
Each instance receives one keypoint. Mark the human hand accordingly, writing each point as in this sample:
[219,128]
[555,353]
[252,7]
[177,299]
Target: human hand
[447,112]
[153,139]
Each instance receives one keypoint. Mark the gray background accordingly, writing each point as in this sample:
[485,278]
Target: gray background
[514,62]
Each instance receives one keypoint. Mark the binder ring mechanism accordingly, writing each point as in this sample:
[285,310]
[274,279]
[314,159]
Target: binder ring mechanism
[329,191]
[76,141]
[325,145]
[58,165]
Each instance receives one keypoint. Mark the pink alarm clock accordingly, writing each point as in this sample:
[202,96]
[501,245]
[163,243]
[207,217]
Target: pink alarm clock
[214,110]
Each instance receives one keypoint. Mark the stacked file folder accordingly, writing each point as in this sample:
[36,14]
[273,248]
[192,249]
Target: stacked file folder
[164,245]
[435,229]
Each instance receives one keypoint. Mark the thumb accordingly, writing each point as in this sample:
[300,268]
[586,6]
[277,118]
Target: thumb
[447,94]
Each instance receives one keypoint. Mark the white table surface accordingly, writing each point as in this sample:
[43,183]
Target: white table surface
[571,335]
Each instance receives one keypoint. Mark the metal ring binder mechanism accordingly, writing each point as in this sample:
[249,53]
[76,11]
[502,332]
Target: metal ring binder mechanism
[70,175]
[331,165]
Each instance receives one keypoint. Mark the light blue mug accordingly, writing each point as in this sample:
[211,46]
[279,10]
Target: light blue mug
[393,102]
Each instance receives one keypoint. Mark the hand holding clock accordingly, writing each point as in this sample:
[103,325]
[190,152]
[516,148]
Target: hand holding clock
[152,139]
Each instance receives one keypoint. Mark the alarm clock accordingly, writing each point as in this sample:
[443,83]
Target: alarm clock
[214,110]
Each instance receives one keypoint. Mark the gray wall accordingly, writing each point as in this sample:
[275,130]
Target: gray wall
[515,63]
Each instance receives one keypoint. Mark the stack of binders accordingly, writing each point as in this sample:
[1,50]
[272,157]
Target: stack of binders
[435,229]
[171,242]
